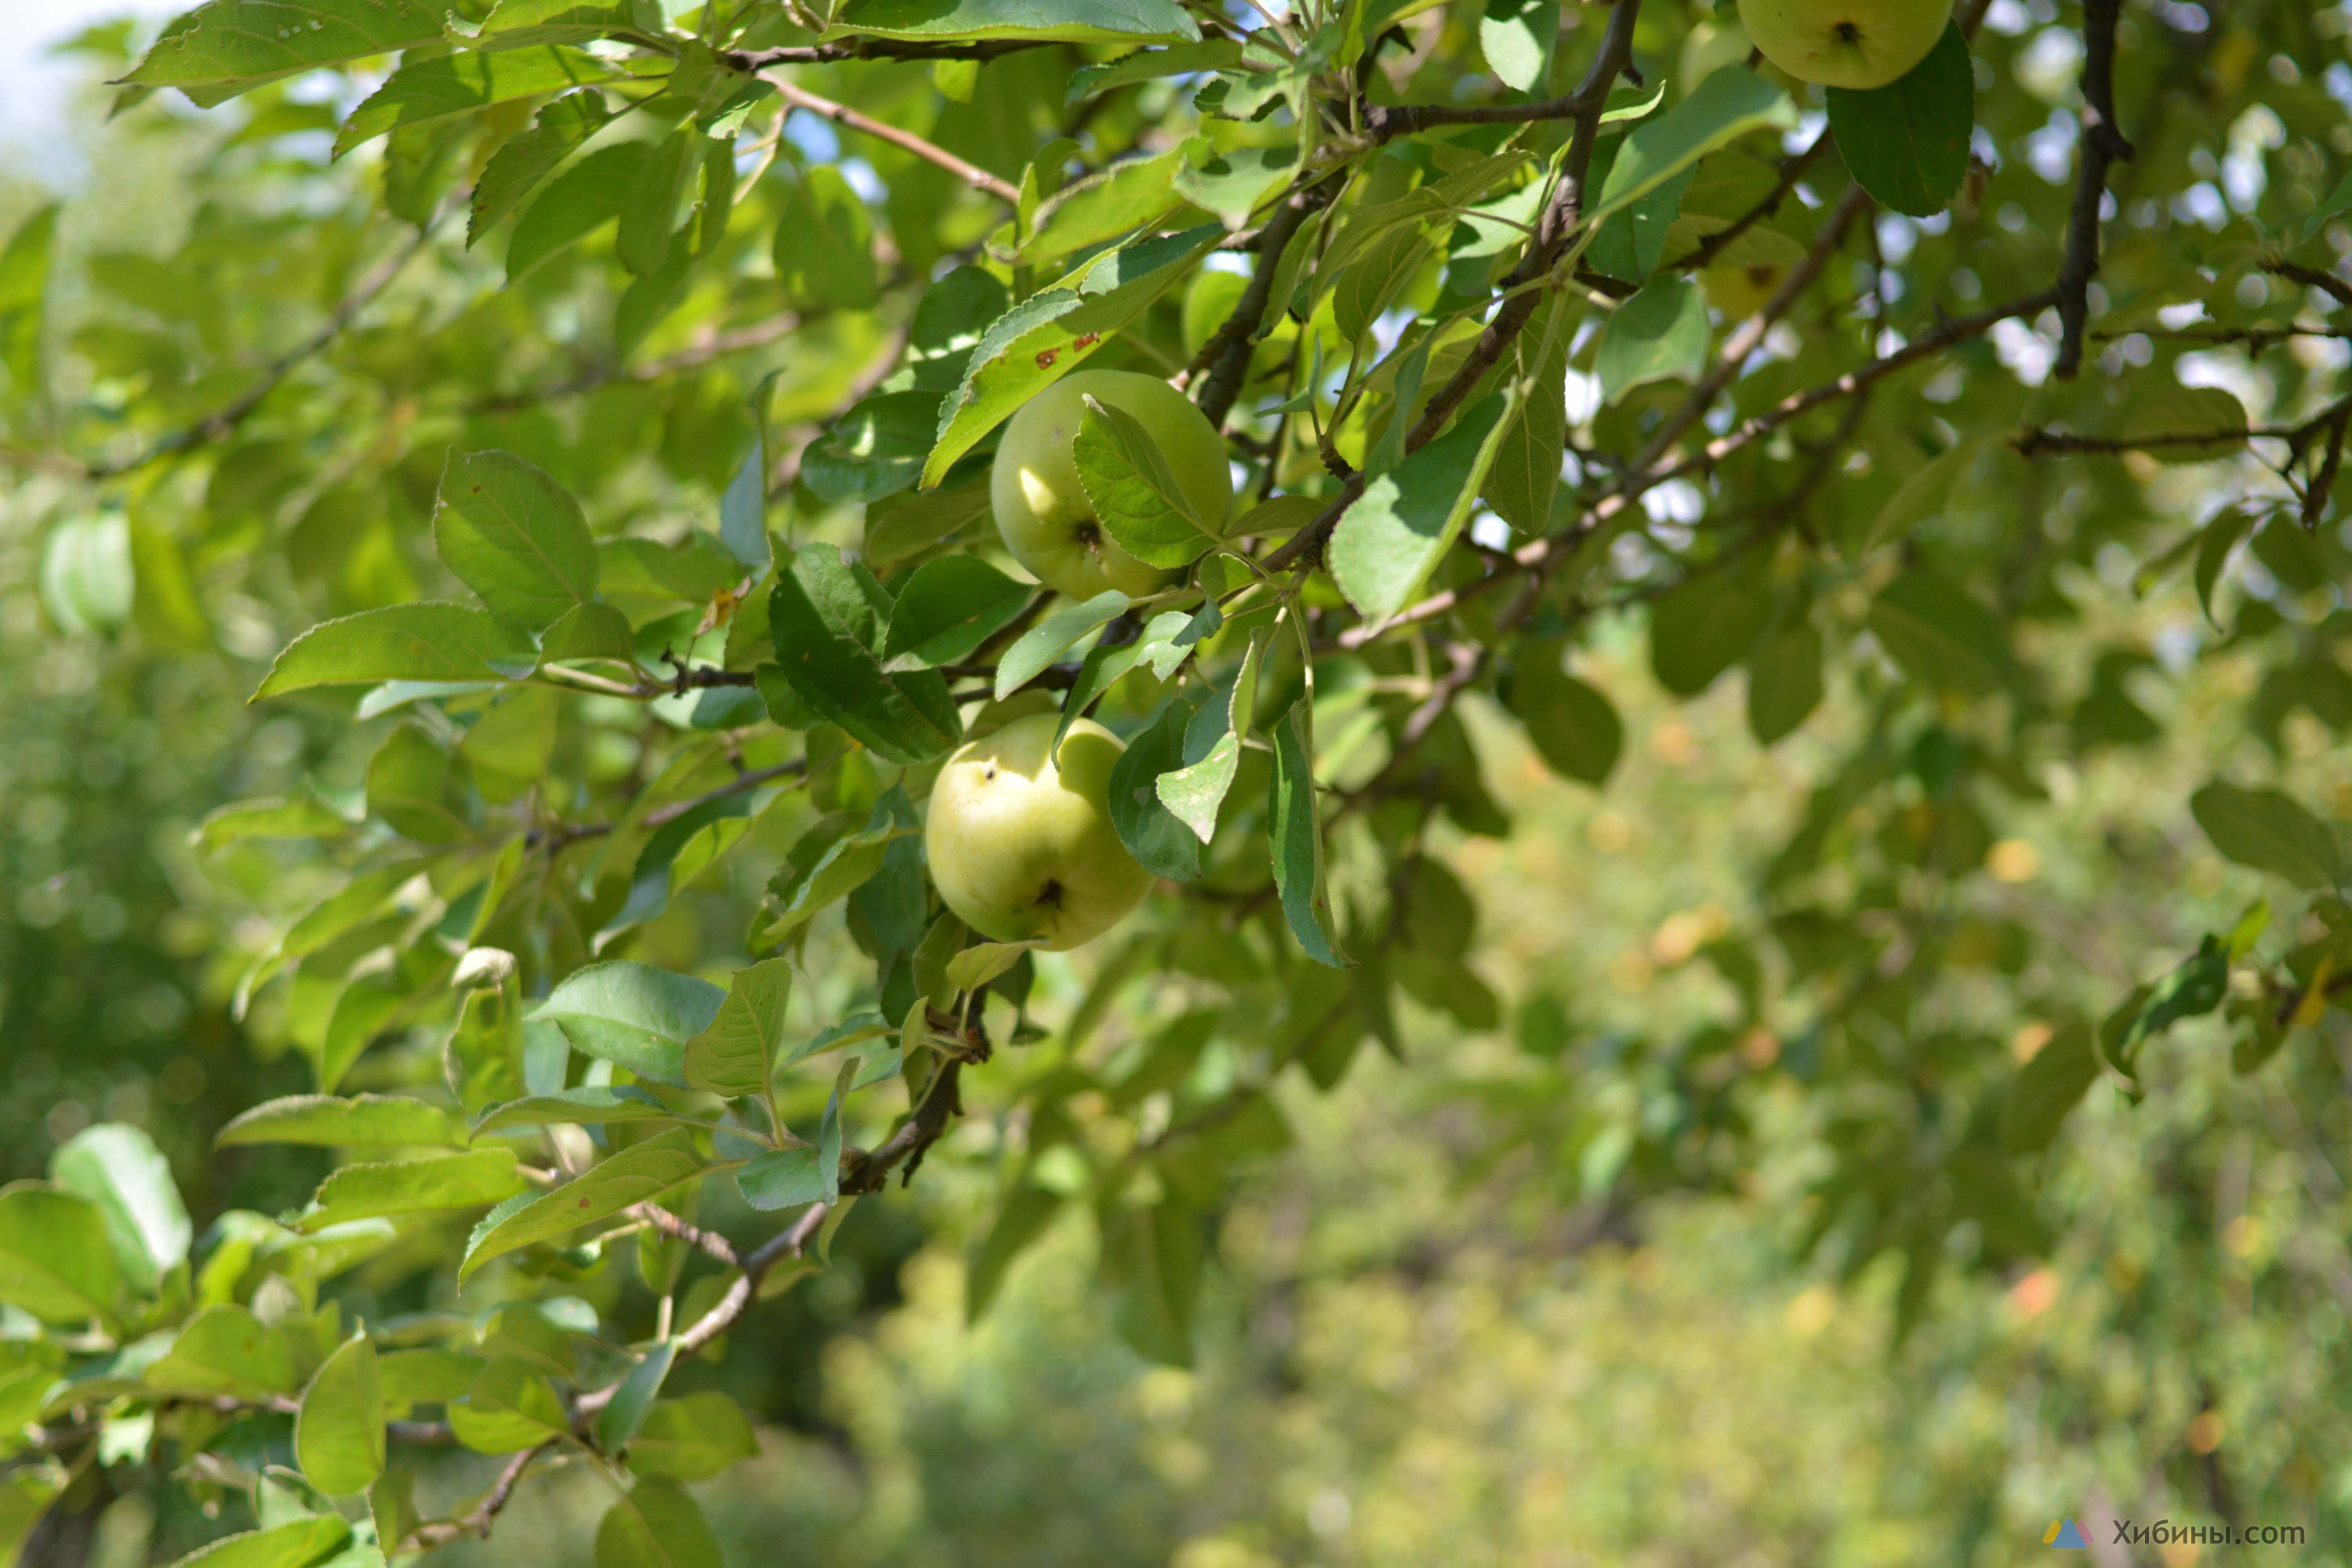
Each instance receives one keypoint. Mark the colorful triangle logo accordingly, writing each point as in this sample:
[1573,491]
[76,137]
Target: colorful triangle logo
[2062,1535]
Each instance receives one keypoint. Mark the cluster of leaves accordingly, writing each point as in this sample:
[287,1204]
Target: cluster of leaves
[724,627]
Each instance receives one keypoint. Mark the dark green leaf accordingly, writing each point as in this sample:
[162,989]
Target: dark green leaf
[441,86]
[1659,334]
[1571,724]
[1160,841]
[829,618]
[1073,21]
[1295,830]
[582,199]
[229,46]
[947,609]
[824,243]
[1907,142]
[1046,641]
[1135,493]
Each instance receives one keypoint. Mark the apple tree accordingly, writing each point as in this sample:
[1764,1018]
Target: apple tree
[653,446]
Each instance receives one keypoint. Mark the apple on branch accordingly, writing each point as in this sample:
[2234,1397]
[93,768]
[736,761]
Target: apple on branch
[1020,837]
[1042,508]
[1858,43]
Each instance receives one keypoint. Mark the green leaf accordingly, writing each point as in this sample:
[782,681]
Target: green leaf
[1020,1220]
[297,816]
[408,789]
[1070,21]
[338,1435]
[514,24]
[1364,291]
[1907,142]
[400,642]
[831,860]
[2220,537]
[509,533]
[1659,334]
[1516,38]
[829,619]
[1941,635]
[689,572]
[1784,680]
[1726,106]
[443,85]
[1571,724]
[1525,475]
[634,1014]
[25,1493]
[1135,493]
[591,1104]
[1039,340]
[692,1439]
[1151,1273]
[55,1261]
[2269,831]
[391,1507]
[1107,206]
[1703,626]
[1161,842]
[589,632]
[1389,541]
[824,243]
[1046,641]
[626,1412]
[2052,1083]
[1295,830]
[650,213]
[637,1175]
[1235,182]
[2194,988]
[947,609]
[982,961]
[227,1350]
[1631,241]
[24,296]
[650,882]
[435,1374]
[474,1179]
[225,47]
[875,450]
[511,1407]
[119,1168]
[304,1543]
[582,200]
[736,1054]
[1927,492]
[783,1179]
[2186,424]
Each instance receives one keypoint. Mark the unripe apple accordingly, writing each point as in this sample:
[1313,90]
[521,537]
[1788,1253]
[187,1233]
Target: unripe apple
[1020,839]
[1845,43]
[1041,507]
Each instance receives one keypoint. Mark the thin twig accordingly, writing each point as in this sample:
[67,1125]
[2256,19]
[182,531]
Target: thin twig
[441,1532]
[2311,278]
[973,175]
[1792,169]
[223,420]
[1226,355]
[715,346]
[1558,223]
[2103,145]
[563,834]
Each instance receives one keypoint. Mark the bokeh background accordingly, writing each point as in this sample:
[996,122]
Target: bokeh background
[1439,1331]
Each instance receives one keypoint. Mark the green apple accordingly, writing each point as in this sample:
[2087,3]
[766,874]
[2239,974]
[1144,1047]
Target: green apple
[1041,508]
[1020,839]
[1845,43]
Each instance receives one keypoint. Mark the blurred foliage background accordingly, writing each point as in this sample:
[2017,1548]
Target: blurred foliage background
[1497,1307]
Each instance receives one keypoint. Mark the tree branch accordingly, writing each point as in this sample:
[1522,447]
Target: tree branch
[1792,169]
[973,175]
[1552,232]
[1228,348]
[2103,145]
[1535,553]
[714,346]
[441,1532]
[2312,278]
[224,421]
